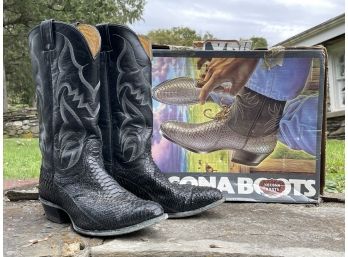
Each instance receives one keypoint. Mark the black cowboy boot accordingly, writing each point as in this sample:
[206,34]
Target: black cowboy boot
[249,127]
[73,182]
[126,123]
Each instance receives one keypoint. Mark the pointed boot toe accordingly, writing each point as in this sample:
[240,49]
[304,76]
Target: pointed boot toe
[181,133]
[198,138]
[204,196]
[144,214]
[202,199]
[178,91]
[150,210]
[169,129]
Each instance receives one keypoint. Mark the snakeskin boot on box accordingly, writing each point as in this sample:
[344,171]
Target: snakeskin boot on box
[249,127]
[73,182]
[183,91]
[177,91]
[126,123]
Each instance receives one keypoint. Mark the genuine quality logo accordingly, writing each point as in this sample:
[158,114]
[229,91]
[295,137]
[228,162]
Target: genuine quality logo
[272,188]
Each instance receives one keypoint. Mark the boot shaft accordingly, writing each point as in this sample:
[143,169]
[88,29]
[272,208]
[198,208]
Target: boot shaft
[65,61]
[126,73]
[255,115]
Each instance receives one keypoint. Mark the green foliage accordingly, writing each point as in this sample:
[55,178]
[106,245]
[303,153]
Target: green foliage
[334,166]
[22,158]
[283,152]
[180,36]
[21,15]
[184,36]
[207,35]
[258,42]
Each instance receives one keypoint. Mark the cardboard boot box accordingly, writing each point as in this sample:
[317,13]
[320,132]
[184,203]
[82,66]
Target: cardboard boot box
[250,123]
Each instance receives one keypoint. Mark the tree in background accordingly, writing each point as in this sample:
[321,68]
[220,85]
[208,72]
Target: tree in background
[180,36]
[258,42]
[207,35]
[184,36]
[21,15]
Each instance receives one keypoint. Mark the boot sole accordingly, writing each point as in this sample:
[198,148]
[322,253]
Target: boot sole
[185,214]
[57,214]
[240,156]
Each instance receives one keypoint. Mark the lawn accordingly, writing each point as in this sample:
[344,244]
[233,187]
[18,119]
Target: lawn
[22,160]
[334,181]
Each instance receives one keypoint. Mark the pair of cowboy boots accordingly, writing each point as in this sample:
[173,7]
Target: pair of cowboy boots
[93,88]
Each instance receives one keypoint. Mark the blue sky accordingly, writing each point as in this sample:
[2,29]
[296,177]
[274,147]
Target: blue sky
[276,20]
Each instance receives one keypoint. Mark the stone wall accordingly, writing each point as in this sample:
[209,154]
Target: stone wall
[24,123]
[21,123]
[335,127]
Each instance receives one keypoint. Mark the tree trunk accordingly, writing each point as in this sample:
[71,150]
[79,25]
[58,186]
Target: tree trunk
[5,102]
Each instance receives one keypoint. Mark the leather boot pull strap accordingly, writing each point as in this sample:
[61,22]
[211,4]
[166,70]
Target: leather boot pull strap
[46,30]
[104,33]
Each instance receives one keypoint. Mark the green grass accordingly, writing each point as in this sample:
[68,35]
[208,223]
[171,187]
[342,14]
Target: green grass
[334,180]
[283,152]
[22,160]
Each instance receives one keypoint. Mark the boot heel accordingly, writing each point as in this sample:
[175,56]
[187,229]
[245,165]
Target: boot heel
[56,215]
[248,158]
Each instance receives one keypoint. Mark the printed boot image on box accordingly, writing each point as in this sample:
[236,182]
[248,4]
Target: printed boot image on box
[246,122]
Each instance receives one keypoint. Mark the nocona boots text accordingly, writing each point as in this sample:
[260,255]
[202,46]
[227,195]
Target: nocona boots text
[73,182]
[126,124]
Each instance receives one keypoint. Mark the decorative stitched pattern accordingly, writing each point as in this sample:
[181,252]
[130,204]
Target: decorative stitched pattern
[243,103]
[134,129]
[275,113]
[70,101]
